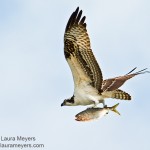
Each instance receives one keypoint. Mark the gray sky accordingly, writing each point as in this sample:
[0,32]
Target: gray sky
[35,77]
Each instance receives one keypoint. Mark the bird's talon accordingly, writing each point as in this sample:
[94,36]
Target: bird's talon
[105,106]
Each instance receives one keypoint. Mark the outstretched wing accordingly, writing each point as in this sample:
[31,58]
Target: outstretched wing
[78,52]
[114,83]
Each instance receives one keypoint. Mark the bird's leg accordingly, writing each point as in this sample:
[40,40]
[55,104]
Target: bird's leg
[94,105]
[95,102]
[104,105]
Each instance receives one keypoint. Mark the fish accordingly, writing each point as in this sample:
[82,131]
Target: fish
[95,113]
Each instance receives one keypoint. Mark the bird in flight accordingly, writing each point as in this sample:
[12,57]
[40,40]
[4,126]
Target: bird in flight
[89,86]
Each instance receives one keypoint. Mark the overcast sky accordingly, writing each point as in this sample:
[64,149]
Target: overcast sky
[35,77]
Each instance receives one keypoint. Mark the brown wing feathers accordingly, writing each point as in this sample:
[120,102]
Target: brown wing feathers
[77,45]
[114,83]
[75,18]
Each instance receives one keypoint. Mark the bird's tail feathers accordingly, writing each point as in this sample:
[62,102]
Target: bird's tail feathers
[117,94]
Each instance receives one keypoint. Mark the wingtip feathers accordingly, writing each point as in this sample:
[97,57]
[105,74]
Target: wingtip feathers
[76,18]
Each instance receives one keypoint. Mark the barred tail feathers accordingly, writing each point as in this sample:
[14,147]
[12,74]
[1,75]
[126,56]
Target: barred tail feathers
[117,94]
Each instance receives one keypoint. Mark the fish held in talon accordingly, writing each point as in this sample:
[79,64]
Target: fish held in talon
[95,113]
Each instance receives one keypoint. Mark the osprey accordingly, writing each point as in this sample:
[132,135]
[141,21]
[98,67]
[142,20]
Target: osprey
[89,86]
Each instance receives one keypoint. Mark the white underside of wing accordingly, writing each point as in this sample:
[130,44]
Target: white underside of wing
[84,93]
[78,73]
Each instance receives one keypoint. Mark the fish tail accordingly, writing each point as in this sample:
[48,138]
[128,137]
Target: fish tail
[114,109]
